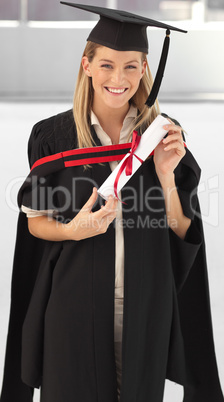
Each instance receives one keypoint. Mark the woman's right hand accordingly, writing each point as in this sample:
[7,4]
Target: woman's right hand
[87,223]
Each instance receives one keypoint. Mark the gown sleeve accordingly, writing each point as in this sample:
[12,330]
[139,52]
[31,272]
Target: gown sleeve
[33,195]
[184,252]
[27,257]
[192,292]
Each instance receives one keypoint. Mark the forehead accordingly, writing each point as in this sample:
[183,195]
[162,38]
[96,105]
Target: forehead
[107,53]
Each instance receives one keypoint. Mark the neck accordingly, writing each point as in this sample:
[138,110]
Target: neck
[111,120]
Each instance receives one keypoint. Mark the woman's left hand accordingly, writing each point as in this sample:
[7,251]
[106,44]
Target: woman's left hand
[169,151]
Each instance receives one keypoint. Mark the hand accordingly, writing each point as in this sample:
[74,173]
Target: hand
[87,223]
[169,152]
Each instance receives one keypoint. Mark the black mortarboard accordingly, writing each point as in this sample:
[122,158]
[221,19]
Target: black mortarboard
[121,30]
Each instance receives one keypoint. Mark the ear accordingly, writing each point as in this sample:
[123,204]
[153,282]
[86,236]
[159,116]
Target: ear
[86,66]
[143,68]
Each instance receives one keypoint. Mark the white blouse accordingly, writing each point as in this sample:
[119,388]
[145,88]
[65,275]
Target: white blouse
[119,237]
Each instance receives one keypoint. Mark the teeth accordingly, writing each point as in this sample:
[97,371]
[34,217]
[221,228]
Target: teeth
[116,90]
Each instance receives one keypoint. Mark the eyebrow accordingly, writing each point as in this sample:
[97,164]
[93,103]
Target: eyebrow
[110,61]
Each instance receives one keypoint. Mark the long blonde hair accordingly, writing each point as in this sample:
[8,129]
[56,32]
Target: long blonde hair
[83,100]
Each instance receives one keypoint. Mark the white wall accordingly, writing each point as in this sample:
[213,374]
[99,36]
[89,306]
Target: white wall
[43,62]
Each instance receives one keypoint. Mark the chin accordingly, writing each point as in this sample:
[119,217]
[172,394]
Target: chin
[118,105]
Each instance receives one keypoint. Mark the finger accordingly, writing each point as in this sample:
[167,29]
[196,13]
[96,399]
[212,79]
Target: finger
[109,208]
[91,201]
[173,137]
[109,217]
[110,197]
[172,127]
[103,219]
[107,220]
[175,145]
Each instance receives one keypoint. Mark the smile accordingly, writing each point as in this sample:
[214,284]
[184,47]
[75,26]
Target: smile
[116,90]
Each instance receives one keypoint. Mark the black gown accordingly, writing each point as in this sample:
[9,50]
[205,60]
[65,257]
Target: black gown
[65,322]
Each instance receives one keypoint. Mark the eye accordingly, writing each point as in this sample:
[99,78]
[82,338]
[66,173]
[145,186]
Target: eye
[106,66]
[130,67]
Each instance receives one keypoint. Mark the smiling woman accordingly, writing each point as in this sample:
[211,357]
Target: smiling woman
[115,78]
[123,75]
[110,299]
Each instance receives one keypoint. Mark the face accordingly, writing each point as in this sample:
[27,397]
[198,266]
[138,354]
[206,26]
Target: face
[115,76]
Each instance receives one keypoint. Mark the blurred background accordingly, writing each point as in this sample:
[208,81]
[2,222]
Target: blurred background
[41,43]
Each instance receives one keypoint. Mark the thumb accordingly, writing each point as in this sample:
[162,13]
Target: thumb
[91,201]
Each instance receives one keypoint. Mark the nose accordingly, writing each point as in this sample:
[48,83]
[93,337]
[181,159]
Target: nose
[118,76]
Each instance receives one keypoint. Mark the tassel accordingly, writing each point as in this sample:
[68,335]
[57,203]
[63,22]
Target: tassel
[159,75]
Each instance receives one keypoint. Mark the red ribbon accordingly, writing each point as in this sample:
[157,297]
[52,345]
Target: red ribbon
[127,164]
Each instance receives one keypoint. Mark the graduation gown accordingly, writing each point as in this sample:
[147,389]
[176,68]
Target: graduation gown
[62,310]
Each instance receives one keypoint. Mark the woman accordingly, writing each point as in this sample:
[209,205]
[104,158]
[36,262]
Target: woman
[109,315]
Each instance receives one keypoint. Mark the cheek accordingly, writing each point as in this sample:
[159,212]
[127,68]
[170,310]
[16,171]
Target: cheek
[98,78]
[135,80]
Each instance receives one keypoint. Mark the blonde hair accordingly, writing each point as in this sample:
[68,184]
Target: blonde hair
[83,100]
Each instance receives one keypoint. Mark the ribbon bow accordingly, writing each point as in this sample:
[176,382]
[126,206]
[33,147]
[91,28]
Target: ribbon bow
[127,164]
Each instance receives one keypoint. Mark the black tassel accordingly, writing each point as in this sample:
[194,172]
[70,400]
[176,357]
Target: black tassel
[159,75]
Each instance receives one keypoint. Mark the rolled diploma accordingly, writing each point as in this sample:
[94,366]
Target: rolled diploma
[149,140]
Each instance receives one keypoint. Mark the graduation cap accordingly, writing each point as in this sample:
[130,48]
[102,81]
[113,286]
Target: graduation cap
[121,30]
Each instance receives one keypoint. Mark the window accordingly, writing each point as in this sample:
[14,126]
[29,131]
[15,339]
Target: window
[51,10]
[9,10]
[160,9]
[170,10]
[215,10]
